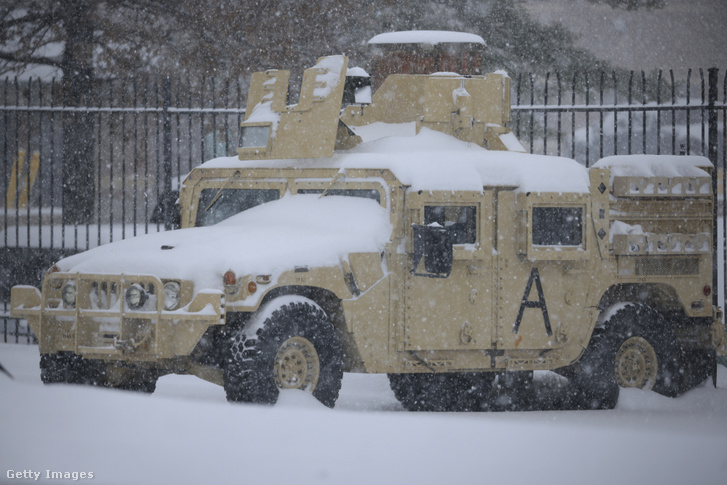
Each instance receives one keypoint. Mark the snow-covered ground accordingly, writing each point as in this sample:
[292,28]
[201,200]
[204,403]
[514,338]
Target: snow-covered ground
[186,433]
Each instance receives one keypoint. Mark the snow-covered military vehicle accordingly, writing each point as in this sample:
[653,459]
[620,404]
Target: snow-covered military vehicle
[403,232]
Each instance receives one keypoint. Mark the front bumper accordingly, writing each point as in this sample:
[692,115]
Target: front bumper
[102,326]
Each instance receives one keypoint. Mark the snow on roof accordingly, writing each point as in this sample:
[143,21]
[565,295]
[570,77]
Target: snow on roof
[655,165]
[432,37]
[356,72]
[308,230]
[296,230]
[431,160]
[329,79]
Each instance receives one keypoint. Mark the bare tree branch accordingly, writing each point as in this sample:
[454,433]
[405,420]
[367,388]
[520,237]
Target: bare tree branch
[48,61]
[33,17]
[633,4]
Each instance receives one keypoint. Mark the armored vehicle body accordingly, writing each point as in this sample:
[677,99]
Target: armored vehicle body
[403,232]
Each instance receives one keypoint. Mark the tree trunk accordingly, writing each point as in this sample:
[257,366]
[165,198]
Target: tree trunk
[78,148]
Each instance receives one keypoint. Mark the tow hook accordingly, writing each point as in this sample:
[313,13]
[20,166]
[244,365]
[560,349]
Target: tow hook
[130,345]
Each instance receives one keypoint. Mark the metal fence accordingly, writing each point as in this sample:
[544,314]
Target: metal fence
[148,133]
[588,116]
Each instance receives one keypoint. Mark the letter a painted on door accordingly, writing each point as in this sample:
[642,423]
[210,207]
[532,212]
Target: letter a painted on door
[526,303]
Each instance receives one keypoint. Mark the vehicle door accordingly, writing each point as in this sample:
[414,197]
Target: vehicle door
[543,270]
[449,308]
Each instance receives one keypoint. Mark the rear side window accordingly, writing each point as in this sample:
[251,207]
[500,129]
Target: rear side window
[557,226]
[216,205]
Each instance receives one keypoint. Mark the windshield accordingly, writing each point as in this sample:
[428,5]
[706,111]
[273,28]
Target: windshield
[216,205]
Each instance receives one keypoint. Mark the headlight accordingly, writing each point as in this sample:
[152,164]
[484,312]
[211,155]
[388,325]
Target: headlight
[136,297]
[69,294]
[171,295]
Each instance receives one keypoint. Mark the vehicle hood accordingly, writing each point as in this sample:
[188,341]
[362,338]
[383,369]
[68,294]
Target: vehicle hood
[297,230]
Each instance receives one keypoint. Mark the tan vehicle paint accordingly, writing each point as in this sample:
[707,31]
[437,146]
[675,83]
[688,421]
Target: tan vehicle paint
[608,284]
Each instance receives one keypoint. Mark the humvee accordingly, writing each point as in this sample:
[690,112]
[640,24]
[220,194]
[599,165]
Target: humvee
[403,232]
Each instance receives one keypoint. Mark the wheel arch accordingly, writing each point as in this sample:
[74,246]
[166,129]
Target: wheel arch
[324,298]
[209,348]
[658,296]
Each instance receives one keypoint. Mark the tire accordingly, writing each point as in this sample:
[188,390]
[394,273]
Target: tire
[68,368]
[442,392]
[592,381]
[53,369]
[691,368]
[296,347]
[513,391]
[422,392]
[646,353]
[695,367]
[145,386]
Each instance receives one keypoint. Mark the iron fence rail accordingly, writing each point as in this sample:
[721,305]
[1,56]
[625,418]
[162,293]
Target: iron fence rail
[648,101]
[148,133]
[16,331]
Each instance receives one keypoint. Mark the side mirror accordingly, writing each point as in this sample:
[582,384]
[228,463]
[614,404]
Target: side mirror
[434,244]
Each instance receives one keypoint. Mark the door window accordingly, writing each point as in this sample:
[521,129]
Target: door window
[460,220]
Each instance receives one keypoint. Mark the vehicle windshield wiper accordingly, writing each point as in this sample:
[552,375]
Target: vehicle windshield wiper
[340,175]
[219,192]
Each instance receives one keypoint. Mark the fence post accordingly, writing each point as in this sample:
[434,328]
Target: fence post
[167,196]
[712,154]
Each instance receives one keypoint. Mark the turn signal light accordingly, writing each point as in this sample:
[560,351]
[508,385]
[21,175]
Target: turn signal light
[251,287]
[55,283]
[229,279]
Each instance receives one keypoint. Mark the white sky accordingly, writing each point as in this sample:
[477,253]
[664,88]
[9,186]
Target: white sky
[684,34]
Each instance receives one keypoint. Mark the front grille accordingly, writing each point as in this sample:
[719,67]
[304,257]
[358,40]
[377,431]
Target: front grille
[104,295]
[101,293]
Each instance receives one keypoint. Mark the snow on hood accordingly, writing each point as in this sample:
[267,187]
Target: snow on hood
[431,160]
[296,230]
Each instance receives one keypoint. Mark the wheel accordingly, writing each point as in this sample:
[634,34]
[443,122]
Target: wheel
[696,366]
[591,381]
[68,368]
[636,364]
[422,392]
[53,368]
[513,391]
[646,353]
[442,392]
[145,386]
[295,347]
[637,349]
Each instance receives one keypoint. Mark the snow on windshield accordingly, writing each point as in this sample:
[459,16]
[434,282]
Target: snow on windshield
[296,230]
[431,160]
